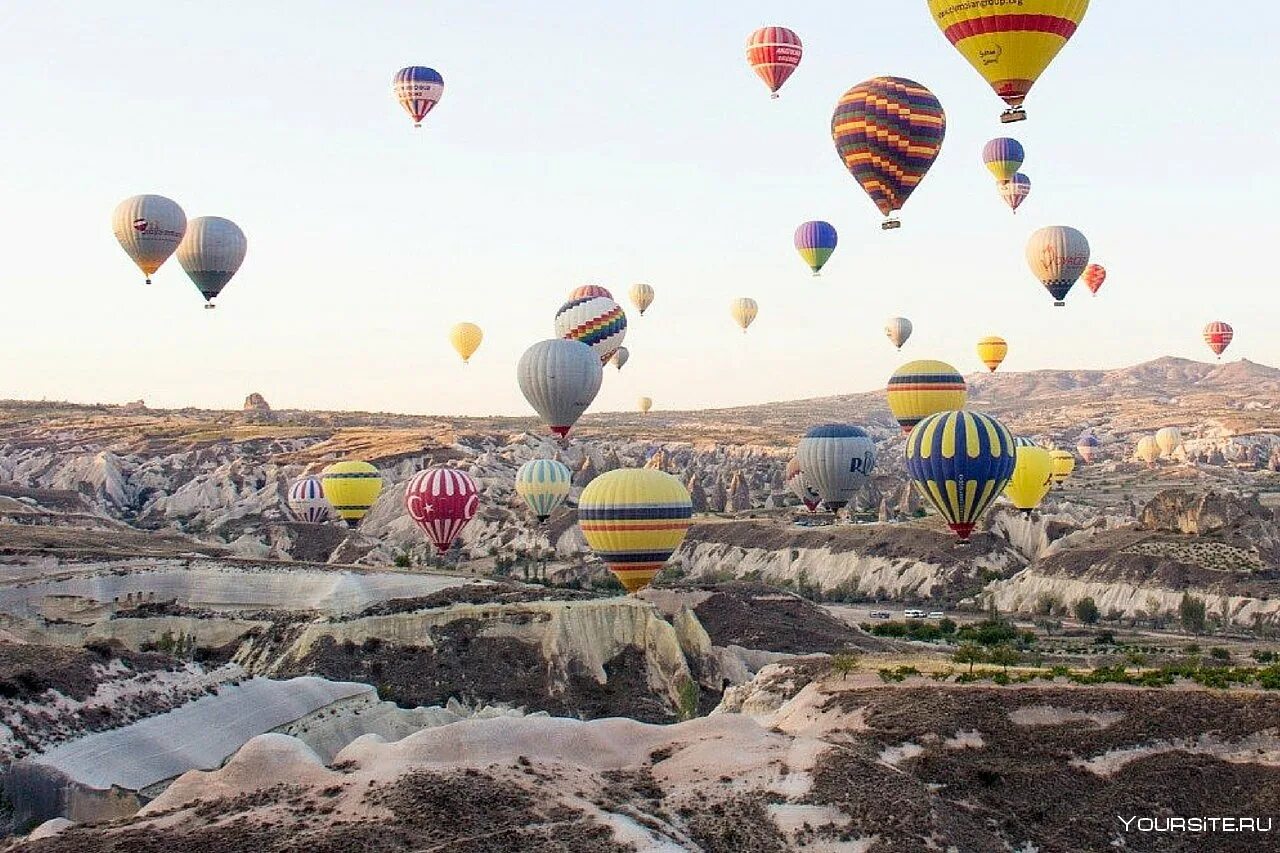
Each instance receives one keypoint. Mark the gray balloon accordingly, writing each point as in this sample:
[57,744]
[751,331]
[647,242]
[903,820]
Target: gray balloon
[836,460]
[560,379]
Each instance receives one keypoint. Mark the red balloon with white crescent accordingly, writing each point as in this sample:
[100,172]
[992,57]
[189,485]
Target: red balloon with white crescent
[442,501]
[1218,336]
[774,53]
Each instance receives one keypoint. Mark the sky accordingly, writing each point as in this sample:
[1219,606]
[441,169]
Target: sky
[586,142]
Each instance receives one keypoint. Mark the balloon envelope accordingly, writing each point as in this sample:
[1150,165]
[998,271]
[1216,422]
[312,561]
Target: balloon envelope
[774,54]
[641,297]
[644,404]
[800,486]
[1015,191]
[836,460]
[1147,450]
[441,501]
[596,321]
[1063,464]
[743,311]
[1032,478]
[211,253]
[888,131]
[992,350]
[1057,256]
[465,339]
[307,502]
[1168,439]
[897,330]
[149,229]
[1093,277]
[1003,157]
[418,89]
[1088,446]
[620,358]
[1218,336]
[589,291]
[960,462]
[815,241]
[634,519]
[560,379]
[544,484]
[1010,49]
[351,487]
[920,388]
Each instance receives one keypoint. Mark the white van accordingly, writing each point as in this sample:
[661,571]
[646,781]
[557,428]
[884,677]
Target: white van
[913,614]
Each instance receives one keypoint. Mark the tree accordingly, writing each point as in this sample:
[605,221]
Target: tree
[843,663]
[1087,611]
[1004,656]
[969,653]
[1191,613]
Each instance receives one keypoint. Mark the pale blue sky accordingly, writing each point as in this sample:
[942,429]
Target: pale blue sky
[606,142]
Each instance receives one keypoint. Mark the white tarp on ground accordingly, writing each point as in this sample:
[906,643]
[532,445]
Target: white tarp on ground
[213,586]
[199,735]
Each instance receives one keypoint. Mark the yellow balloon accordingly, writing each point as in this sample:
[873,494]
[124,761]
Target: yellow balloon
[641,297]
[466,338]
[1064,462]
[1032,478]
[744,312]
[351,487]
[645,404]
[1009,48]
[634,519]
[922,388]
[992,350]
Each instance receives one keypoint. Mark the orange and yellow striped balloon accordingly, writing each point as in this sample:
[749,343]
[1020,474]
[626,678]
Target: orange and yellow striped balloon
[634,519]
[991,350]
[1009,42]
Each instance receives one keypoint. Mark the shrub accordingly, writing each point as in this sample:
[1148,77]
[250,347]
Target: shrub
[1191,613]
[1086,610]
[844,663]
[969,653]
[947,626]
[1219,653]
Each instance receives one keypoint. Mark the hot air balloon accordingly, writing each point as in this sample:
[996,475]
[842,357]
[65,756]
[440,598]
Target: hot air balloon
[1015,191]
[1003,158]
[1218,336]
[836,460]
[1168,439]
[544,484]
[1032,478]
[1088,446]
[466,338]
[644,404]
[897,330]
[1023,441]
[1093,277]
[1057,256]
[744,312]
[211,253]
[589,291]
[307,502]
[960,462]
[920,388]
[641,297]
[1147,450]
[1009,48]
[634,519]
[560,379]
[418,90]
[888,131]
[620,358]
[815,241]
[441,501]
[1064,462]
[774,53]
[149,229]
[596,321]
[991,351]
[800,486]
[351,487]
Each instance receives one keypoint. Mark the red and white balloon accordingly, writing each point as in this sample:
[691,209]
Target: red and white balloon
[442,501]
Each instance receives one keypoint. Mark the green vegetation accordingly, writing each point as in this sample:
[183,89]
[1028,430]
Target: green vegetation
[843,663]
[1191,612]
[688,699]
[969,653]
[1086,610]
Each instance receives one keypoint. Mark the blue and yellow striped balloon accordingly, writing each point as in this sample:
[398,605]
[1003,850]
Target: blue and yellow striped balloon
[1003,157]
[351,487]
[634,519]
[960,462]
[544,484]
[815,241]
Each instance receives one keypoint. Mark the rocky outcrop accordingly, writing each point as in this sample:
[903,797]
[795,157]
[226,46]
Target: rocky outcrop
[1178,511]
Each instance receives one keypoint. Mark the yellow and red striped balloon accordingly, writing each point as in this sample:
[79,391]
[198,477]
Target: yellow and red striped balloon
[991,350]
[634,519]
[921,388]
[774,54]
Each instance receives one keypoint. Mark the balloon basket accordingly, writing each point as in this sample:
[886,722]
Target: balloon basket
[890,224]
[209,306]
[1012,115]
[773,96]
[817,275]
[1058,303]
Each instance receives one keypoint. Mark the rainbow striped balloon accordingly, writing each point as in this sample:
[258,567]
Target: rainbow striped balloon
[634,519]
[815,241]
[544,484]
[888,131]
[960,462]
[596,321]
[920,388]
[1003,157]
[307,501]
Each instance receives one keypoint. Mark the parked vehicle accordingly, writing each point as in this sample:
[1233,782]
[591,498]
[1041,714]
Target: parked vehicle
[881,614]
[937,614]
[913,614]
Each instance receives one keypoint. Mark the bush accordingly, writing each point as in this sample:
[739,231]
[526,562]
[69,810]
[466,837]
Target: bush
[989,632]
[1219,653]
[1086,610]
[843,663]
[947,626]
[402,561]
[1191,613]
